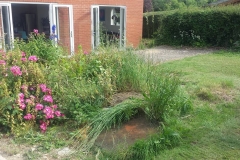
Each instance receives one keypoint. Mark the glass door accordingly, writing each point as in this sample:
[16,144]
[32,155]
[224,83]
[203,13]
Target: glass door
[61,23]
[6,27]
[95,26]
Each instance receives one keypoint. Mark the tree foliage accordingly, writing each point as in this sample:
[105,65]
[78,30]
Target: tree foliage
[147,6]
[164,5]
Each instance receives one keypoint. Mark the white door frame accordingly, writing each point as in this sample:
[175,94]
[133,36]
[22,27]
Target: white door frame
[52,14]
[10,22]
[95,35]
[55,21]
[122,36]
[123,20]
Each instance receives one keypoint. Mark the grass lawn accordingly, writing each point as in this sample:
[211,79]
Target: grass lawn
[213,126]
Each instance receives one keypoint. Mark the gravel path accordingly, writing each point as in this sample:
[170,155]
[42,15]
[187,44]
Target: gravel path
[166,53]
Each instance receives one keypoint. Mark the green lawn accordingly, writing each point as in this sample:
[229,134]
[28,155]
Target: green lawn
[213,126]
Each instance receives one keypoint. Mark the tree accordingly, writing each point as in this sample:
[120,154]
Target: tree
[164,5]
[147,6]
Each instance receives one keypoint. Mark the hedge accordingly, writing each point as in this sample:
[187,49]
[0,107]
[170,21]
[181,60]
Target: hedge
[217,26]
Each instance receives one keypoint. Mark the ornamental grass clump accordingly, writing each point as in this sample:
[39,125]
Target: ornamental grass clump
[25,99]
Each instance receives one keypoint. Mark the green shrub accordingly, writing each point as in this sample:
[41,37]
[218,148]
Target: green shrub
[218,26]
[84,83]
[37,44]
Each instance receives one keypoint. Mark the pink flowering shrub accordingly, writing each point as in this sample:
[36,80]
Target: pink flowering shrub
[39,109]
[24,96]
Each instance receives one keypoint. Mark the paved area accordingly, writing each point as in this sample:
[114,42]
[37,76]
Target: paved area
[166,53]
[1,158]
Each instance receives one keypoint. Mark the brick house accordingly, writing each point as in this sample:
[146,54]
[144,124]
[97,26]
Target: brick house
[73,22]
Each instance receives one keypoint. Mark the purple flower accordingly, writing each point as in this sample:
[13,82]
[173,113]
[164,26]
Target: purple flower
[39,107]
[53,28]
[28,116]
[33,58]
[16,71]
[48,98]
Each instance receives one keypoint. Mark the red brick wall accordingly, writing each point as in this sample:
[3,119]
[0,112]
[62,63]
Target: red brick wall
[82,19]
[63,15]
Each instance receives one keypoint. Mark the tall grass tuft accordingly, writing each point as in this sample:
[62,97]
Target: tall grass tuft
[161,96]
[105,119]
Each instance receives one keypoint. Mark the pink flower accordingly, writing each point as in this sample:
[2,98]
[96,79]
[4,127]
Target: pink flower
[33,58]
[2,62]
[43,126]
[54,106]
[21,96]
[48,98]
[43,87]
[28,116]
[58,113]
[16,71]
[30,101]
[24,59]
[32,97]
[35,31]
[48,91]
[39,107]
[3,54]
[22,106]
[24,87]
[49,113]
[85,52]
[23,54]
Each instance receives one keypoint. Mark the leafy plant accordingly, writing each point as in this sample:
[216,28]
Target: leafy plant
[37,44]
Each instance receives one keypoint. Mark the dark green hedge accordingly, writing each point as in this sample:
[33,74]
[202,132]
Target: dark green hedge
[218,26]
